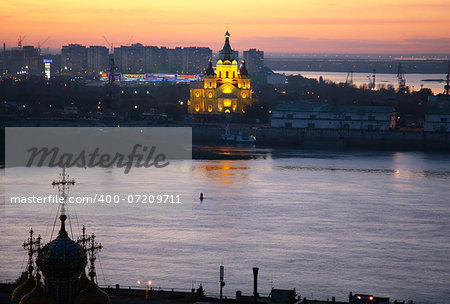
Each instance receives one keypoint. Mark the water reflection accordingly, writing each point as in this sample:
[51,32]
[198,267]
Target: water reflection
[222,172]
[330,216]
[236,152]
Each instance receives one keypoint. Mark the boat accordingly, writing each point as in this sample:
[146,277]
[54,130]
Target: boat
[435,80]
[251,139]
[228,137]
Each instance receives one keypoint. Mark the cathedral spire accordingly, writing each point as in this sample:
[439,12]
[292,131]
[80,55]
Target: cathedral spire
[226,53]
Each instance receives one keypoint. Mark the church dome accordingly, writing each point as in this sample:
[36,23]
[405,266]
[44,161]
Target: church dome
[243,70]
[25,288]
[37,295]
[62,258]
[210,69]
[92,294]
[83,282]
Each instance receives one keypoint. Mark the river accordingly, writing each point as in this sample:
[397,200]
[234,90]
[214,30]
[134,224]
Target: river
[323,222]
[414,81]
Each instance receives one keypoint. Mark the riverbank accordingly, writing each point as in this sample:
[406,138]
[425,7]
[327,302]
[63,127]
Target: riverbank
[331,139]
[210,134]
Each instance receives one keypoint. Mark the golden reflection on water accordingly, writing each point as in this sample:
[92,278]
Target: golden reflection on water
[222,172]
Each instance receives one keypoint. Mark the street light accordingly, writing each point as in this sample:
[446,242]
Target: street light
[147,285]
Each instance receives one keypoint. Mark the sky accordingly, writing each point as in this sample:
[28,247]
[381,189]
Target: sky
[303,26]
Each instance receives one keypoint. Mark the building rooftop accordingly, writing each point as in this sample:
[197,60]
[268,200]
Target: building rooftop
[331,108]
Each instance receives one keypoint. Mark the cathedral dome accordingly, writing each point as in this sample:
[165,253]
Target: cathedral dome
[37,295]
[25,288]
[243,70]
[62,258]
[210,69]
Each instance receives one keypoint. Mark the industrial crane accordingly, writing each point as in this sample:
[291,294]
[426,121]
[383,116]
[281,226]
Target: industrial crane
[447,86]
[20,41]
[349,79]
[372,80]
[111,44]
[401,78]
[42,43]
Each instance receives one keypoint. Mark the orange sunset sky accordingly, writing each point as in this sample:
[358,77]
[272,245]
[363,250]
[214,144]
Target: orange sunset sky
[319,26]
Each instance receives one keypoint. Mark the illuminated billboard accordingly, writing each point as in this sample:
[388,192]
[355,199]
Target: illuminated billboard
[152,77]
[133,77]
[47,66]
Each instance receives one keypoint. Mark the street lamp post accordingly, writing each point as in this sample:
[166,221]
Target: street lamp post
[147,285]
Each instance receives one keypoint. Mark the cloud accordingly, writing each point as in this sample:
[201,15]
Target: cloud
[299,44]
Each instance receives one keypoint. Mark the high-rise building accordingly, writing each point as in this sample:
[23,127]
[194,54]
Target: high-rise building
[74,59]
[194,59]
[31,60]
[3,59]
[98,59]
[130,59]
[135,56]
[162,63]
[254,60]
[151,59]
[226,90]
[175,59]
[15,63]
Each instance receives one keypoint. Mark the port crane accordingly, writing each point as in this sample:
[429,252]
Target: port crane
[372,80]
[401,78]
[349,79]
[447,86]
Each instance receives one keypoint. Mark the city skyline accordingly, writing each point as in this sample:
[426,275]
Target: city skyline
[406,27]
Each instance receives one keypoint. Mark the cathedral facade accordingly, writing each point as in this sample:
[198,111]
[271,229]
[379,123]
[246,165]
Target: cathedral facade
[226,90]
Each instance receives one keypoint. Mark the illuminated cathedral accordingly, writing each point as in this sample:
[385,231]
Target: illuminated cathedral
[225,90]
